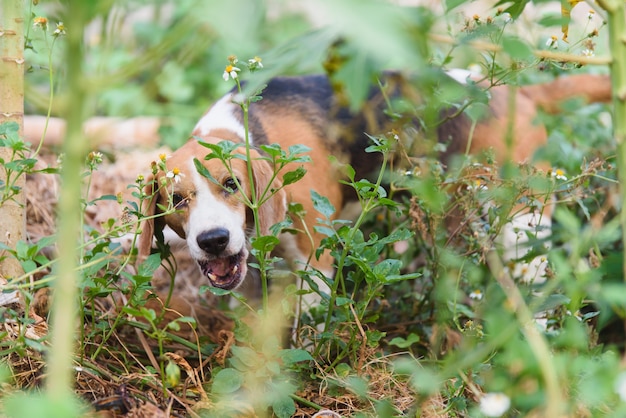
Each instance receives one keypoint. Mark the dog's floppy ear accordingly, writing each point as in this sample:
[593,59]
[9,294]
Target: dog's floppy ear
[150,226]
[274,209]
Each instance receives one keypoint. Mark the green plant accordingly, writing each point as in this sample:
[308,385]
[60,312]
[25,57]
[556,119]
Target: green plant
[420,319]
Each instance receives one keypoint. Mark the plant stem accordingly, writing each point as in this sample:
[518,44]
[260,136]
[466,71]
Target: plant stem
[554,397]
[59,383]
[616,17]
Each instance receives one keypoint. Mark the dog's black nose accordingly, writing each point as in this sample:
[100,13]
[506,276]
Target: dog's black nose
[214,241]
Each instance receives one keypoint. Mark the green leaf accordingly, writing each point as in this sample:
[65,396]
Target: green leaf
[222,150]
[273,150]
[246,355]
[265,243]
[477,111]
[28,265]
[349,171]
[294,355]
[516,48]
[227,381]
[357,385]
[340,301]
[284,407]
[8,128]
[324,230]
[453,4]
[293,176]
[552,302]
[405,343]
[387,267]
[149,266]
[203,171]
[215,290]
[343,370]
[555,19]
[322,204]
[515,8]
[298,149]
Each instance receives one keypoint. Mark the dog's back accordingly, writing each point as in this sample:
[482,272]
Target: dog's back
[294,109]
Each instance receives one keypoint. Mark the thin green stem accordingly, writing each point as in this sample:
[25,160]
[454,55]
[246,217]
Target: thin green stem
[51,95]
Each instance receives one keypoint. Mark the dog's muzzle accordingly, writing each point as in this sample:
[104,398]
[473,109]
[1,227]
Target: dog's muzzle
[222,268]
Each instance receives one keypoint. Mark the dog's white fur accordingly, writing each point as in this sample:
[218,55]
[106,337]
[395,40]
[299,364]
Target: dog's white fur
[222,116]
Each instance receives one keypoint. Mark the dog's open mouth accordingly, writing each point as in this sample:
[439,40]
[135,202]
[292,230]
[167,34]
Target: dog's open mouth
[224,272]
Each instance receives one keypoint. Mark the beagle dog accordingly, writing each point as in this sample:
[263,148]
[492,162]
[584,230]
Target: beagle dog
[211,215]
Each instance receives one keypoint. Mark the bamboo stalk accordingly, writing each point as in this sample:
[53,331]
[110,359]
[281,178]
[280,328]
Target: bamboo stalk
[12,212]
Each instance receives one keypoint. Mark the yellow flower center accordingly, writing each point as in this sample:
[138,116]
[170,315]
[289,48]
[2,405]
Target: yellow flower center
[176,171]
[229,68]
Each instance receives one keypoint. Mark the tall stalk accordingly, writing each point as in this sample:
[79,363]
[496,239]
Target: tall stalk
[12,211]
[59,383]
[616,19]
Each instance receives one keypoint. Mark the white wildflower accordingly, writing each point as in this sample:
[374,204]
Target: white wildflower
[175,175]
[230,72]
[494,404]
[476,294]
[552,42]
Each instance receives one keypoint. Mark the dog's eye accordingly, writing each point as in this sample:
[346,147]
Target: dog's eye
[230,185]
[178,200]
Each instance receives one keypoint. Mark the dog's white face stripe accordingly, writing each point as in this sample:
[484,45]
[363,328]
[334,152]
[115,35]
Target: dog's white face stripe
[209,212]
[222,116]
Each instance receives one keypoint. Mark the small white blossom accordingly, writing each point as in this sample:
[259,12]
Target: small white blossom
[255,63]
[507,17]
[559,174]
[175,175]
[494,404]
[552,42]
[477,184]
[60,30]
[587,53]
[591,14]
[476,294]
[230,72]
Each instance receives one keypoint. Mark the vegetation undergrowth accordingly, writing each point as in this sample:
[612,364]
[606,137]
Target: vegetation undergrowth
[422,318]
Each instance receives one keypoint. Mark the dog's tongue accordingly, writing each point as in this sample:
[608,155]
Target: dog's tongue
[221,266]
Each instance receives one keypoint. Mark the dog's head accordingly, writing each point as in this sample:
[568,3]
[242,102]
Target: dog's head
[211,214]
